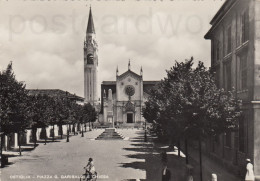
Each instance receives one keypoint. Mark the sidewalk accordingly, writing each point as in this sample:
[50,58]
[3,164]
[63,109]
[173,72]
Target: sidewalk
[177,165]
[209,167]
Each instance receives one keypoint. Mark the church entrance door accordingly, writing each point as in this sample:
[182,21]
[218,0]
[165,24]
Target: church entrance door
[130,118]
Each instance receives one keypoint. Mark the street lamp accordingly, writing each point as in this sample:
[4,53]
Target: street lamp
[1,150]
[68,136]
[82,134]
[145,134]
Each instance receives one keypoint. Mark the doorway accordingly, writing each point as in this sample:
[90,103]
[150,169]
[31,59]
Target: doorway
[130,118]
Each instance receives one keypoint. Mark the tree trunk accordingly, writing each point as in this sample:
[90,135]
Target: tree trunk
[74,130]
[69,128]
[34,136]
[45,135]
[53,133]
[9,142]
[1,150]
[186,151]
[82,135]
[201,179]
[85,127]
[19,143]
[61,131]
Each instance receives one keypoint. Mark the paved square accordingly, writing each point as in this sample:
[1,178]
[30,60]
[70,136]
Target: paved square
[56,160]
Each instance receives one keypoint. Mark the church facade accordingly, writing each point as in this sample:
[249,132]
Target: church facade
[122,100]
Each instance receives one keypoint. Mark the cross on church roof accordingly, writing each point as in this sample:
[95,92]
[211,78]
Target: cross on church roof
[129,66]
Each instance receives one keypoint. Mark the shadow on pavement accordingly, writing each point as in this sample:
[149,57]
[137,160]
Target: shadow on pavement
[150,161]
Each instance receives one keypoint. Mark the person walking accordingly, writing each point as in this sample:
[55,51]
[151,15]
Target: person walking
[249,171]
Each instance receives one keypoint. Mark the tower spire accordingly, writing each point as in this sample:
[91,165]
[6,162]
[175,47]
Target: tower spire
[90,28]
[141,71]
[117,71]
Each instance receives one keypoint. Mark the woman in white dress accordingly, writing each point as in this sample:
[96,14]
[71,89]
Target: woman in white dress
[249,171]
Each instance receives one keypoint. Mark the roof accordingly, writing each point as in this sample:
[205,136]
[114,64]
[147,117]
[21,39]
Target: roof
[55,93]
[129,72]
[151,82]
[90,28]
[144,82]
[219,16]
[109,82]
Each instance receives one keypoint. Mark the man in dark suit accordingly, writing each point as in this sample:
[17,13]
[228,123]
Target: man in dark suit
[166,174]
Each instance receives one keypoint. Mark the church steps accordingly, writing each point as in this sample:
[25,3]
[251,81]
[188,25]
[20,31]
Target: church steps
[110,134]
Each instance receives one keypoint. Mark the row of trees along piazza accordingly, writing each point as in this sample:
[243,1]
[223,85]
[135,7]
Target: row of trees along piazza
[20,111]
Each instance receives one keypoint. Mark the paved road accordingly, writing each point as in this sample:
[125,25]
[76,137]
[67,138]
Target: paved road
[55,161]
[114,160]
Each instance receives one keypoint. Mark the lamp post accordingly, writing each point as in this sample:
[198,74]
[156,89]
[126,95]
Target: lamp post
[1,150]
[68,136]
[82,134]
[145,134]
[89,126]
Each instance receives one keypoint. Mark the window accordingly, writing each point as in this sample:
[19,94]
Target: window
[228,40]
[241,135]
[243,72]
[245,26]
[227,75]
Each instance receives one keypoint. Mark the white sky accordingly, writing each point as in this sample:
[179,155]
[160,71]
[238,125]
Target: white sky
[44,39]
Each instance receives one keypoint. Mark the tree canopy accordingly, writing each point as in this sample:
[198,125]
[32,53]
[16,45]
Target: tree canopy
[188,103]
[13,102]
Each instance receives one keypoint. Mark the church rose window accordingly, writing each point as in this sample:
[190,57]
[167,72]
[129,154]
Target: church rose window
[130,90]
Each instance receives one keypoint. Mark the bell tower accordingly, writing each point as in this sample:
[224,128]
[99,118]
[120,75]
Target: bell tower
[90,63]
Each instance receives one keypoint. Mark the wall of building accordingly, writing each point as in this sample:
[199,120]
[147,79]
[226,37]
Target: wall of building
[256,104]
[122,83]
[247,144]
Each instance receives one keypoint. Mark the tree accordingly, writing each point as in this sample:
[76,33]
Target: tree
[41,113]
[38,106]
[77,115]
[188,104]
[90,114]
[14,104]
